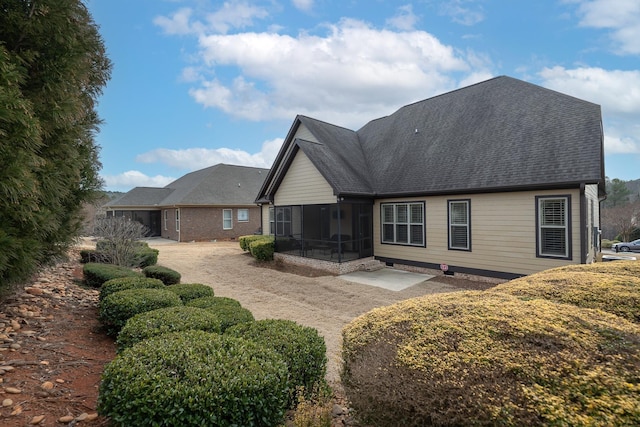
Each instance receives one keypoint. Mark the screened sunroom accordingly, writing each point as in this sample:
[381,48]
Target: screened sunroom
[338,232]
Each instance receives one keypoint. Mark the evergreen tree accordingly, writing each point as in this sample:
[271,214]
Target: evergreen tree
[53,67]
[617,193]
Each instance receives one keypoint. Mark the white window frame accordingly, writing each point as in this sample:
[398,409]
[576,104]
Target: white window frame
[243,215]
[457,223]
[229,220]
[399,219]
[166,216]
[177,219]
[553,222]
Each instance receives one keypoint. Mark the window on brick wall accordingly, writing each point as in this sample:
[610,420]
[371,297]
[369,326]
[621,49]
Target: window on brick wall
[243,215]
[165,218]
[177,219]
[227,219]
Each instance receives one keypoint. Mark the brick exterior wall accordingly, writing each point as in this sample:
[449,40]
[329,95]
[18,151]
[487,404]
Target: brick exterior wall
[205,224]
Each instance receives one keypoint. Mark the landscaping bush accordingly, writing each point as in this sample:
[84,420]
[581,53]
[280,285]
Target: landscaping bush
[194,378]
[92,255]
[163,320]
[213,302]
[117,308]
[167,275]
[615,293]
[146,256]
[626,268]
[123,283]
[262,250]
[228,313]
[96,274]
[607,244]
[302,348]
[473,358]
[189,291]
[245,241]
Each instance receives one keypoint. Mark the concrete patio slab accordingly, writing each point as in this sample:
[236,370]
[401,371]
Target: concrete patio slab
[387,278]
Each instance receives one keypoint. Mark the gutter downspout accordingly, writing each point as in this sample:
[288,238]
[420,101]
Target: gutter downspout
[583,224]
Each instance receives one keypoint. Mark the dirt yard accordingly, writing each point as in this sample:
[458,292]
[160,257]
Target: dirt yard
[326,303]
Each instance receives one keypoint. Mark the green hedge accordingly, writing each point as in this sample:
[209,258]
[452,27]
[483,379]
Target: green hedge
[123,283]
[228,313]
[245,241]
[163,320]
[190,291]
[146,257]
[301,347]
[167,275]
[96,274]
[485,359]
[194,378]
[214,302]
[92,255]
[262,250]
[117,308]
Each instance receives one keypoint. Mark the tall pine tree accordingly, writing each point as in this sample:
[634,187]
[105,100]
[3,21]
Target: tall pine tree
[53,66]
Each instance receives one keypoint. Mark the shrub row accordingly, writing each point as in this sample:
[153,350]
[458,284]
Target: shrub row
[167,275]
[95,274]
[115,309]
[167,351]
[123,283]
[194,378]
[525,353]
[303,350]
[261,247]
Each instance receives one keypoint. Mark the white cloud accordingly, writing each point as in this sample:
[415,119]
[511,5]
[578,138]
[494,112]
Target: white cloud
[199,158]
[304,5]
[404,20]
[233,14]
[616,91]
[464,12]
[127,180]
[621,17]
[348,76]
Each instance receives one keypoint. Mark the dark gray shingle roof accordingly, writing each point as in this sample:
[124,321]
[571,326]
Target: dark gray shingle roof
[218,185]
[500,134]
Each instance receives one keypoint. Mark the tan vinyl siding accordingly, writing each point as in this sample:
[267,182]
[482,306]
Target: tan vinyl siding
[303,185]
[303,133]
[265,219]
[503,233]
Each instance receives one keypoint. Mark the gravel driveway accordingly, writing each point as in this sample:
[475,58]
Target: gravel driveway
[326,303]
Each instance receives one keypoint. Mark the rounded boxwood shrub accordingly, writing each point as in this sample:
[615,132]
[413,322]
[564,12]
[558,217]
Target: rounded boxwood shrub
[117,308]
[262,249]
[167,275]
[228,313]
[302,348]
[617,294]
[473,358]
[95,274]
[194,378]
[123,283]
[189,291]
[213,302]
[163,320]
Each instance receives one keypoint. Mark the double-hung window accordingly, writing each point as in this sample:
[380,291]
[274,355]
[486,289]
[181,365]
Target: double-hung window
[283,221]
[403,223]
[165,219]
[553,226]
[460,224]
[227,219]
[177,219]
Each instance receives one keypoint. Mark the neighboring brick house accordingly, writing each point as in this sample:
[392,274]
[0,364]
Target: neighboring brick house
[212,203]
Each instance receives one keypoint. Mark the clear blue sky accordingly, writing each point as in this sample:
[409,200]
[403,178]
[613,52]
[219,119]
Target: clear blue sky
[200,82]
